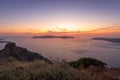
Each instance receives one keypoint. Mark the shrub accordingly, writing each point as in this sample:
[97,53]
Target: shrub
[86,62]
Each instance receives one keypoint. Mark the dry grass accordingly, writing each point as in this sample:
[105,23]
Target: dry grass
[10,69]
[39,70]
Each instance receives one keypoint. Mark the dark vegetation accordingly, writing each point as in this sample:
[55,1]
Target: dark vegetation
[87,62]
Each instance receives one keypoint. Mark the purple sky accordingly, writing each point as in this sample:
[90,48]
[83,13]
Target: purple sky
[58,15]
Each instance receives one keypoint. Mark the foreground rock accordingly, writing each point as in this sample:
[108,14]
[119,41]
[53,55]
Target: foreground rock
[19,53]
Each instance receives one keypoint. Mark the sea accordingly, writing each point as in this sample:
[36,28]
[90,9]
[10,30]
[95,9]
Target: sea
[72,48]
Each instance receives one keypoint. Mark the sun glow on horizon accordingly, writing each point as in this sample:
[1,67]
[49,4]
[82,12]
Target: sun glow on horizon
[65,28]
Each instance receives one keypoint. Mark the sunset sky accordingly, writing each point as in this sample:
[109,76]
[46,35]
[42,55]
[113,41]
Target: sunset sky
[36,16]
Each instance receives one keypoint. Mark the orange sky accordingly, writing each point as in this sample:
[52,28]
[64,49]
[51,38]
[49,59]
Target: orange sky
[66,30]
[30,29]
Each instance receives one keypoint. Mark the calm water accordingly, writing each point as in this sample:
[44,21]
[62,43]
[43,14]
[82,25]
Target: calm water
[71,49]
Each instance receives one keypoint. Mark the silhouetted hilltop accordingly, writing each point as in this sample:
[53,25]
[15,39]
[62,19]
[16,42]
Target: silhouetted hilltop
[52,36]
[115,40]
[19,53]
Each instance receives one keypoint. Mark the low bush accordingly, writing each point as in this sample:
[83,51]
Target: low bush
[86,62]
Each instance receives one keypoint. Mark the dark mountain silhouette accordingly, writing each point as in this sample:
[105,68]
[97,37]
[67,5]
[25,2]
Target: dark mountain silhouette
[19,53]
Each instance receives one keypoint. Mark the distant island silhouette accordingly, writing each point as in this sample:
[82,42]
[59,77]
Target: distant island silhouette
[2,41]
[114,40]
[52,36]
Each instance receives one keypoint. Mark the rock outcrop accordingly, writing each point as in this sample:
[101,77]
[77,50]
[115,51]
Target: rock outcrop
[19,53]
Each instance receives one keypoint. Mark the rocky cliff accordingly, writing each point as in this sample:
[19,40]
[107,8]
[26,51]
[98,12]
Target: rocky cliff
[19,53]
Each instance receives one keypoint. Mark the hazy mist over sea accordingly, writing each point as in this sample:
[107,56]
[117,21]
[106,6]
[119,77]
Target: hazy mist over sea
[72,49]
